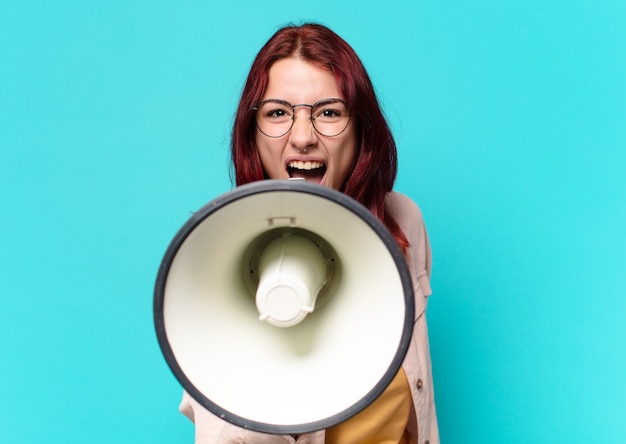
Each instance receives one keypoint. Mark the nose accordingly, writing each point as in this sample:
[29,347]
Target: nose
[302,135]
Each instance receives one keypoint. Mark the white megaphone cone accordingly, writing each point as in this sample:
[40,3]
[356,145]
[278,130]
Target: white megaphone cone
[332,290]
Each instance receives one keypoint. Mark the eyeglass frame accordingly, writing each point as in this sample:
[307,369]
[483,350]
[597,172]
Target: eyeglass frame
[293,115]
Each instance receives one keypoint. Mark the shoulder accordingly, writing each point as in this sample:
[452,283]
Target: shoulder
[403,209]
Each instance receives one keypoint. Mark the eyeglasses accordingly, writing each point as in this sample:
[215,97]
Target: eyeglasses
[274,118]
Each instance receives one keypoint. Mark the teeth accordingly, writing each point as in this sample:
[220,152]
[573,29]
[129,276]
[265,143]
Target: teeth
[308,165]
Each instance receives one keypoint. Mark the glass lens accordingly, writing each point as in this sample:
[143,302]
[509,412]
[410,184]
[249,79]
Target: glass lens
[274,118]
[330,117]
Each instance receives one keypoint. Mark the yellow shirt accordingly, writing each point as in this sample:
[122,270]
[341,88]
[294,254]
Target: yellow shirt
[382,422]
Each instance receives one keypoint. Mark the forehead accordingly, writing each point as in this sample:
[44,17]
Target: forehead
[298,81]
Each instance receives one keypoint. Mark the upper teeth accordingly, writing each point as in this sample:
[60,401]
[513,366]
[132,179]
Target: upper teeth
[305,165]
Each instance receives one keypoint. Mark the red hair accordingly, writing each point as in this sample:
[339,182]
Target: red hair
[376,163]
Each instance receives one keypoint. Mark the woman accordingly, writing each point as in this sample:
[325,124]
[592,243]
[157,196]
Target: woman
[308,110]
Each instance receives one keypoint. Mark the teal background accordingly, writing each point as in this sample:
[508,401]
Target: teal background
[510,119]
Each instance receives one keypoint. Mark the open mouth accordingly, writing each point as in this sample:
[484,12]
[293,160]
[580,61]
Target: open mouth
[311,171]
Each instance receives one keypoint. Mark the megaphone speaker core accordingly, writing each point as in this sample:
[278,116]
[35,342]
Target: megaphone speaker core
[292,270]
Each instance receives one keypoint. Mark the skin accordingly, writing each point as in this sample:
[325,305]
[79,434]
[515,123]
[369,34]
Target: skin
[327,160]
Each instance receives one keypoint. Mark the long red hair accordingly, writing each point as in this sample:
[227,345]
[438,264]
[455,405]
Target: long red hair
[376,163]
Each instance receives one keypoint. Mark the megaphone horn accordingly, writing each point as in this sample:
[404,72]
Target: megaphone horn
[284,307]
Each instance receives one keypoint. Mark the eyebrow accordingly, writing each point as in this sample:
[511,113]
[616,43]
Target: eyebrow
[325,99]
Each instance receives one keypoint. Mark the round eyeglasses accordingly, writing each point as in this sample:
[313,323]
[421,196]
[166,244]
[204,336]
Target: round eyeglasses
[274,118]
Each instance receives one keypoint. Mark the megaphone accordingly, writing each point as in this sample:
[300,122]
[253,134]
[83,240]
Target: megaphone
[284,307]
